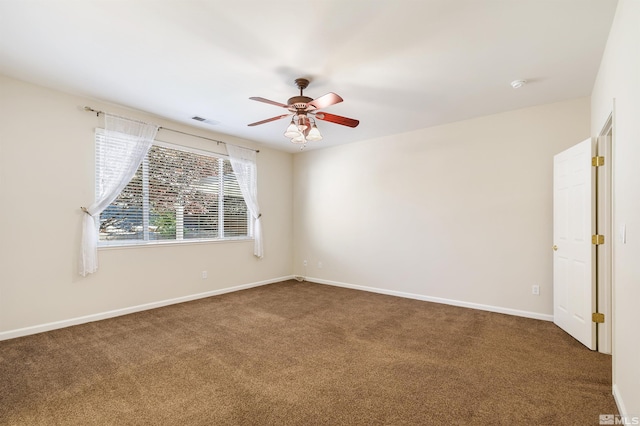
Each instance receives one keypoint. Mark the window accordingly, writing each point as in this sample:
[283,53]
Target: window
[177,194]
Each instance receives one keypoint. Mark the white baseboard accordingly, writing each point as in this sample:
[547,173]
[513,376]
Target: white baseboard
[498,309]
[11,334]
[619,402]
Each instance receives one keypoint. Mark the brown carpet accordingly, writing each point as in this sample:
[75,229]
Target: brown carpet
[304,354]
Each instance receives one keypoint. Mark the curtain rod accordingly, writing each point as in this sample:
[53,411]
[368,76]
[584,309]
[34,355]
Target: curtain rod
[98,112]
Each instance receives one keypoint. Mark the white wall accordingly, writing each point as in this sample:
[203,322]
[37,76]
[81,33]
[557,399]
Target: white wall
[460,213]
[47,173]
[619,79]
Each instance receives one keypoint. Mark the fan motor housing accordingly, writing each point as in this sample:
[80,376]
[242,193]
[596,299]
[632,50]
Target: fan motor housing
[299,102]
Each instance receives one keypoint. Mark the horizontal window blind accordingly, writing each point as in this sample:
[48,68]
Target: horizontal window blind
[175,195]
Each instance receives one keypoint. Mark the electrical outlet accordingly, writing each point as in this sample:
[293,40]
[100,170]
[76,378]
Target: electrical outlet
[205,275]
[535,289]
[304,262]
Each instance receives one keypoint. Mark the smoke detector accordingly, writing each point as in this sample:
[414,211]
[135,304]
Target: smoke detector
[516,84]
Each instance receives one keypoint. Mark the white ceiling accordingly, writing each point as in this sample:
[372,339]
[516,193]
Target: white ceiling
[400,65]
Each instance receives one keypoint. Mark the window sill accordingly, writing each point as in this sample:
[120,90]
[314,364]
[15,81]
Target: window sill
[139,244]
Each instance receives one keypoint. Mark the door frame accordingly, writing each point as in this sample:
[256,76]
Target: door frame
[604,223]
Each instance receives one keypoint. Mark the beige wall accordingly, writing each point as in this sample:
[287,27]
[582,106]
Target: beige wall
[460,213]
[46,174]
[619,79]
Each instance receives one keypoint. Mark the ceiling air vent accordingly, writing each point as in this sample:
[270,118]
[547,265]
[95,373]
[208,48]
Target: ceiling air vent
[205,120]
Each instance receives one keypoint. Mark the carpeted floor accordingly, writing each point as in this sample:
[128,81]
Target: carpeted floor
[304,354]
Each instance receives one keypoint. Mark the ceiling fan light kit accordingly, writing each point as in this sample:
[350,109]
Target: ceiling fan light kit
[314,134]
[300,130]
[292,131]
[304,111]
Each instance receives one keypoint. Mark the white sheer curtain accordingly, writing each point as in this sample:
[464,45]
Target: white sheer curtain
[118,162]
[243,161]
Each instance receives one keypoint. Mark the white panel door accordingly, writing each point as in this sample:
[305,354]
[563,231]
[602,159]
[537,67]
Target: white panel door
[573,226]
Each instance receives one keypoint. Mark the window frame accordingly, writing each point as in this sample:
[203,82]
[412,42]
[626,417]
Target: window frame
[145,202]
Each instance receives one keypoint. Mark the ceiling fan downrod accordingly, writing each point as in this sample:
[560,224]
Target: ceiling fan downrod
[302,84]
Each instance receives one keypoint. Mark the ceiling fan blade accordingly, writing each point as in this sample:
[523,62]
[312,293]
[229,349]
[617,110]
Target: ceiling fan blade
[268,120]
[325,101]
[338,119]
[267,101]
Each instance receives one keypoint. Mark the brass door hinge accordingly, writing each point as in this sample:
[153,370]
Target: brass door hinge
[597,161]
[597,317]
[597,239]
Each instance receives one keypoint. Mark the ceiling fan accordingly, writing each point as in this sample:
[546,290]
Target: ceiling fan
[304,111]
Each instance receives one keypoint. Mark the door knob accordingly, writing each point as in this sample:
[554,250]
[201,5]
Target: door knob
[555,247]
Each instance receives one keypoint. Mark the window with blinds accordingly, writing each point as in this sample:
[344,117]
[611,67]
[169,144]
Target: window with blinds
[177,194]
